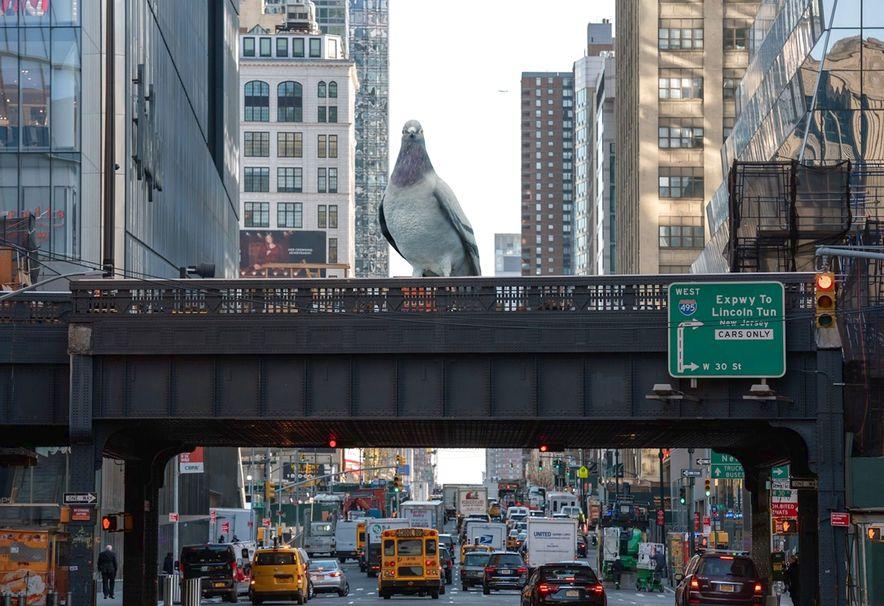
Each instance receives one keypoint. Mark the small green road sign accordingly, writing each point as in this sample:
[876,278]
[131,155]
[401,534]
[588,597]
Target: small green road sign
[583,472]
[724,467]
[727,329]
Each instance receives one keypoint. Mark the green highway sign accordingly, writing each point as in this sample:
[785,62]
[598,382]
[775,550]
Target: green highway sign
[724,467]
[727,329]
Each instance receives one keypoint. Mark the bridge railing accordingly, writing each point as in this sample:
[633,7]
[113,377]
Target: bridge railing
[633,294]
[36,308]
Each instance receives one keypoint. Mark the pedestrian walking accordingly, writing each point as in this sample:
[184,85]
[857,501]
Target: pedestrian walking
[793,580]
[617,571]
[107,566]
[169,564]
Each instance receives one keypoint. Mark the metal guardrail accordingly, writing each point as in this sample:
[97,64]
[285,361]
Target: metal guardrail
[635,294]
[36,308]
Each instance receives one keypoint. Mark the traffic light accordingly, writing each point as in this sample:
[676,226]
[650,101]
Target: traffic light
[824,296]
[682,495]
[540,464]
[397,483]
[116,522]
[332,443]
[708,487]
[550,448]
[269,491]
[874,534]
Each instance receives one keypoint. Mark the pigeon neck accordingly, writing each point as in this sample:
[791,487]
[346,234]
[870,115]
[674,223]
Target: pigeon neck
[412,164]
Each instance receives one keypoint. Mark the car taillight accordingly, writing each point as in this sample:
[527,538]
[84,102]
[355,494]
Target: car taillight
[181,567]
[544,589]
[429,563]
[334,574]
[758,588]
[597,588]
[521,570]
[233,566]
[490,569]
[695,584]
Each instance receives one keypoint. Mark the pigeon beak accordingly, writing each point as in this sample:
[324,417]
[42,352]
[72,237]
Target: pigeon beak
[411,132]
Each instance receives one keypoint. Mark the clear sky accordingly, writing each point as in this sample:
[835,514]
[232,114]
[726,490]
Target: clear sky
[460,465]
[455,65]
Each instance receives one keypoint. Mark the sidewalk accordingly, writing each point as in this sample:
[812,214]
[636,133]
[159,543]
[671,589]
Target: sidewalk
[118,595]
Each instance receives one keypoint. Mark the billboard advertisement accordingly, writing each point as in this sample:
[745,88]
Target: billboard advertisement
[279,253]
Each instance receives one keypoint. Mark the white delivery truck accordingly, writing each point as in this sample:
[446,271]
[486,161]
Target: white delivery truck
[472,500]
[550,540]
[557,500]
[450,494]
[374,528]
[345,539]
[492,534]
[424,514]
[320,538]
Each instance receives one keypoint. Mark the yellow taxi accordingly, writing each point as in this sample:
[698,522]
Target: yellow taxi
[278,574]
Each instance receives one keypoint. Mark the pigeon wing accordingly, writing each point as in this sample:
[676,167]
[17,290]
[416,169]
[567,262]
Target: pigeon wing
[384,229]
[451,209]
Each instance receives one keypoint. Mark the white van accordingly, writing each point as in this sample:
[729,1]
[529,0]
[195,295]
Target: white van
[516,513]
[557,500]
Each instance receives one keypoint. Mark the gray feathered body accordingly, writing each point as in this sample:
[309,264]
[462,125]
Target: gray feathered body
[423,220]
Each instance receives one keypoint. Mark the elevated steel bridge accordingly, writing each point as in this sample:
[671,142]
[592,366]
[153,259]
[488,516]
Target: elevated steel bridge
[142,370]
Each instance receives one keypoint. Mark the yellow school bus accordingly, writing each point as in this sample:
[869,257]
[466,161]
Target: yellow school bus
[409,562]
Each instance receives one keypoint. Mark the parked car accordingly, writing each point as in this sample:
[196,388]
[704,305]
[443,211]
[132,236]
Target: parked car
[278,574]
[328,576]
[472,569]
[504,570]
[215,564]
[721,578]
[447,563]
[564,583]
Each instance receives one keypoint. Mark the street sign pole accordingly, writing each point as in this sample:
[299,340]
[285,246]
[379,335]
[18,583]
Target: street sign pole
[662,503]
[691,507]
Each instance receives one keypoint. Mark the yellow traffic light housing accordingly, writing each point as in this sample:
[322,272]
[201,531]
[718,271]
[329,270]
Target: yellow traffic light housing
[708,487]
[269,491]
[824,299]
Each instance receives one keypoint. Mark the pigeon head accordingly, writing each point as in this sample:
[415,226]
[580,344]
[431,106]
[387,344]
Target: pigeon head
[413,162]
[413,131]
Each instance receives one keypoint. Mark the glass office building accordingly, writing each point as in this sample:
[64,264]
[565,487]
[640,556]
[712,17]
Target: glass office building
[814,90]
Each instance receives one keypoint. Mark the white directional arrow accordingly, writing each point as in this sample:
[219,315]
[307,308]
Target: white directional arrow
[692,366]
[718,471]
[694,324]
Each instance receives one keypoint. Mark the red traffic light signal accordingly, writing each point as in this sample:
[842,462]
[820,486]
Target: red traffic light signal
[116,522]
[543,448]
[332,443]
[109,523]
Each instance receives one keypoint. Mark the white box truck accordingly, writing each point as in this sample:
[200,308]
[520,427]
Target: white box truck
[472,500]
[320,538]
[492,534]
[374,528]
[550,540]
[345,539]
[424,514]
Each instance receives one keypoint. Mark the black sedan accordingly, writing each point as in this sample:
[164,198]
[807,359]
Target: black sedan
[504,570]
[567,583]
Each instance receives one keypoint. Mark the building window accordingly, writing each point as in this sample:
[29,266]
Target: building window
[320,90]
[731,82]
[322,216]
[256,179]
[681,232]
[333,180]
[315,48]
[332,90]
[256,144]
[680,34]
[257,214]
[333,114]
[290,215]
[675,133]
[257,101]
[321,146]
[289,102]
[681,182]
[677,84]
[332,250]
[289,179]
[297,47]
[264,49]
[333,216]
[282,47]
[736,33]
[321,176]
[321,114]
[332,146]
[248,47]
[290,145]
[675,269]
[727,127]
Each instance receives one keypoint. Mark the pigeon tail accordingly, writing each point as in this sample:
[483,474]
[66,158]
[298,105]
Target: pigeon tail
[411,165]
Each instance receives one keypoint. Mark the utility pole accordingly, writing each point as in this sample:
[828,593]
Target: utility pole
[175,498]
[662,504]
[691,504]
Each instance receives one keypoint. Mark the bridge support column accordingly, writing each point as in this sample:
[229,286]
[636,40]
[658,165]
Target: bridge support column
[756,483]
[817,537]
[85,461]
[140,543]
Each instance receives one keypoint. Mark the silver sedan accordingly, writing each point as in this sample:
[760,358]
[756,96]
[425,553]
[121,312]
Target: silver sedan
[327,576]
